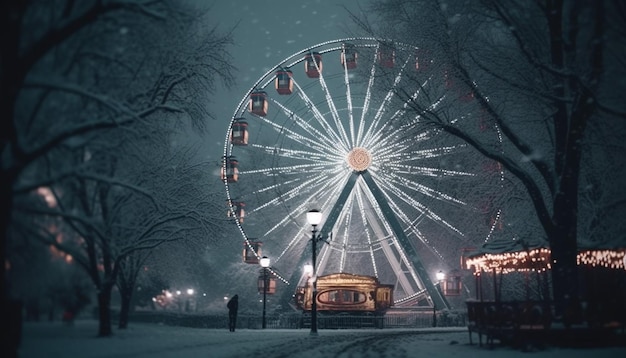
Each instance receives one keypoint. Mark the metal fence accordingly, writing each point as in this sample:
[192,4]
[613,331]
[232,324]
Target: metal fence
[298,320]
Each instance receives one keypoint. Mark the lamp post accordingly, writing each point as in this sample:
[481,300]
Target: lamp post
[179,301]
[314,217]
[440,276]
[190,293]
[265,263]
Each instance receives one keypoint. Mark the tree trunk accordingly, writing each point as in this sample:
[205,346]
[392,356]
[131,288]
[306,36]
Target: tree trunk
[104,311]
[565,275]
[563,241]
[124,310]
[11,310]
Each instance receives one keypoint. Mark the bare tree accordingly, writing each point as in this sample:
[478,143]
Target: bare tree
[81,77]
[43,277]
[117,226]
[187,212]
[546,74]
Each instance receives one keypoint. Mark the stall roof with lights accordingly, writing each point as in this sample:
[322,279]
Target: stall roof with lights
[534,255]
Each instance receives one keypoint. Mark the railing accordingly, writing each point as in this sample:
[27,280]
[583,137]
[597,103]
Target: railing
[298,320]
[517,322]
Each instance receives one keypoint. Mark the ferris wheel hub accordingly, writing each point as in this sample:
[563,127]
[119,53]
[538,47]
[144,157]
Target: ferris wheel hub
[359,159]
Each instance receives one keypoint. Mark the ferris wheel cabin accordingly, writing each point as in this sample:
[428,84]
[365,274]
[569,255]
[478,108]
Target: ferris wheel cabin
[452,84]
[284,82]
[230,172]
[386,56]
[258,103]
[349,56]
[422,59]
[239,209]
[313,64]
[252,252]
[239,132]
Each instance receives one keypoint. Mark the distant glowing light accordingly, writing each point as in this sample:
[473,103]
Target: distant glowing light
[359,159]
[47,195]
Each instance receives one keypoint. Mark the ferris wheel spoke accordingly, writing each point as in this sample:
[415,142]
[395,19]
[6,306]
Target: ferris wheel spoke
[291,243]
[296,187]
[393,250]
[284,171]
[311,137]
[424,190]
[333,110]
[413,229]
[302,206]
[420,90]
[331,132]
[331,185]
[375,126]
[427,171]
[346,80]
[367,101]
[310,160]
[429,213]
[402,195]
[383,135]
[370,244]
[345,234]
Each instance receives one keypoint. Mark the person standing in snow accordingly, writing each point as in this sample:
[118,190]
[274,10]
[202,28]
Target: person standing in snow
[233,306]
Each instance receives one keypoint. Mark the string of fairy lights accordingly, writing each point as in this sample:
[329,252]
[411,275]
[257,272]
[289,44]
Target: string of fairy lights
[539,260]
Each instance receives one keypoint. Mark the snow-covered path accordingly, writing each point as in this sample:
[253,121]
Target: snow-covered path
[50,340]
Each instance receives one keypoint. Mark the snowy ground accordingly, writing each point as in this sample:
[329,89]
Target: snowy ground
[53,339]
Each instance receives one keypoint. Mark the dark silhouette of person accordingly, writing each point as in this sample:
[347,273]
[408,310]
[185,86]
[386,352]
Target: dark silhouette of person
[233,306]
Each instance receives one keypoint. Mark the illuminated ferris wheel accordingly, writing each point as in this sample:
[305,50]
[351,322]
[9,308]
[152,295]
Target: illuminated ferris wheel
[329,128]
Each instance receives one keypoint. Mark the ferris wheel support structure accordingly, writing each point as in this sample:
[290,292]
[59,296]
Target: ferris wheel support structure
[434,294]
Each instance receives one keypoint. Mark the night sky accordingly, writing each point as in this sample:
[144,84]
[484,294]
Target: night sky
[266,32]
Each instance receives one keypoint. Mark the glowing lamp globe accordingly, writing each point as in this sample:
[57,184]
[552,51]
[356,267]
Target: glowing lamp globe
[265,261]
[314,217]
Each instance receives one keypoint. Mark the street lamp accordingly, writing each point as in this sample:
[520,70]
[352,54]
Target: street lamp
[308,270]
[440,276]
[190,293]
[314,217]
[179,301]
[265,263]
